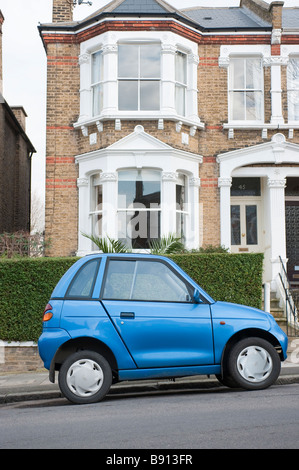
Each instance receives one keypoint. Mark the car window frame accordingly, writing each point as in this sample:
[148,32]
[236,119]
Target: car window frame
[73,280]
[189,286]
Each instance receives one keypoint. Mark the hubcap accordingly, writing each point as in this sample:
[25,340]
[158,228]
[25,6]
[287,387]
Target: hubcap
[254,364]
[85,378]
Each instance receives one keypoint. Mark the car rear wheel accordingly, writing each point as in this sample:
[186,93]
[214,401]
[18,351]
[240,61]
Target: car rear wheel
[85,377]
[253,364]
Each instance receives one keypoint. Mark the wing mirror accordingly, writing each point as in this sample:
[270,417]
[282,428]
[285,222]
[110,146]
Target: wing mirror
[196,297]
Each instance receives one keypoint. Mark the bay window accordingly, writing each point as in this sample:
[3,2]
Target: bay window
[139,76]
[246,89]
[293,88]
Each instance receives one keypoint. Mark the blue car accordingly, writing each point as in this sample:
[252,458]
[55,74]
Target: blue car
[116,317]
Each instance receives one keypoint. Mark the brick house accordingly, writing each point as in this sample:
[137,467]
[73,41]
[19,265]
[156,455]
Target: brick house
[15,163]
[163,121]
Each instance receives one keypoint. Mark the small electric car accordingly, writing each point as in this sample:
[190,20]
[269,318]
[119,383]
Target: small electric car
[116,317]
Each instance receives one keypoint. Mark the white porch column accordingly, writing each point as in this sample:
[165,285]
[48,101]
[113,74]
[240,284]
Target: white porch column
[109,182]
[84,219]
[277,223]
[224,183]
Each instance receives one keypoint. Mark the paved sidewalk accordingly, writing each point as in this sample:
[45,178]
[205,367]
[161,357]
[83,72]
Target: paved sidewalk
[36,385]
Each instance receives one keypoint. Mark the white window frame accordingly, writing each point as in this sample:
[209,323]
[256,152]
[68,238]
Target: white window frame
[139,79]
[245,90]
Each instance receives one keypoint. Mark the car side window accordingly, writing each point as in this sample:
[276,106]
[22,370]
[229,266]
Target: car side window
[83,283]
[146,281]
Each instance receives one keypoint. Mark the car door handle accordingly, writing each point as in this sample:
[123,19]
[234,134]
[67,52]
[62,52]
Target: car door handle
[127,315]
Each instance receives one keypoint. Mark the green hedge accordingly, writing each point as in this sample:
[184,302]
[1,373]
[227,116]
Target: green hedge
[26,286]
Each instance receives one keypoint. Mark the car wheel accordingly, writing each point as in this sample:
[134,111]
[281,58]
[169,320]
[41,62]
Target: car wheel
[85,377]
[253,364]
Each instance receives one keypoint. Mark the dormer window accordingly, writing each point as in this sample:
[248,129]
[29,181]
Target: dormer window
[139,76]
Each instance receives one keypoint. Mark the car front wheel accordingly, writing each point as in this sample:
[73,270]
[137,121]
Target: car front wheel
[85,377]
[253,364]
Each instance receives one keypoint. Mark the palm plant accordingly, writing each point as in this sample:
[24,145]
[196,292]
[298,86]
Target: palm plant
[108,245]
[166,245]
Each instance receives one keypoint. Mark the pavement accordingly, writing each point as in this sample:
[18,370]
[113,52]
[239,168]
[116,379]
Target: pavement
[18,387]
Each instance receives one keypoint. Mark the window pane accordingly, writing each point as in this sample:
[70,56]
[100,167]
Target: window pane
[118,283]
[138,228]
[180,100]
[251,225]
[181,68]
[246,187]
[237,106]
[237,75]
[139,187]
[156,282]
[235,225]
[97,67]
[97,99]
[149,96]
[293,74]
[150,61]
[253,74]
[254,106]
[128,61]
[128,95]
[83,283]
[293,103]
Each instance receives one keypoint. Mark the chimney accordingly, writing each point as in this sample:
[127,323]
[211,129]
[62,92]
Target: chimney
[1,72]
[21,115]
[271,13]
[62,11]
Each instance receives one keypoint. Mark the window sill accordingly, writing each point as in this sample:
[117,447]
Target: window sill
[232,126]
[193,123]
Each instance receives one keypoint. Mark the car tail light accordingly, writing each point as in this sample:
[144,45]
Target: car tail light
[47,313]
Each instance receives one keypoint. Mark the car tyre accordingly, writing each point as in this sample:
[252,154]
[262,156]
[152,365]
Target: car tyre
[253,364]
[85,377]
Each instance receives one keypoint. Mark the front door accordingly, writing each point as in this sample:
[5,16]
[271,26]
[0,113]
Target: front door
[245,226]
[246,234]
[152,308]
[292,228]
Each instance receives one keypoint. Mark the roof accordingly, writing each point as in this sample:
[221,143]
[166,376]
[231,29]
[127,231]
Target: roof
[202,18]
[220,18]
[290,18]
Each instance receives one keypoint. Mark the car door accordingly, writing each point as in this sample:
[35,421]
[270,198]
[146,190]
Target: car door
[152,308]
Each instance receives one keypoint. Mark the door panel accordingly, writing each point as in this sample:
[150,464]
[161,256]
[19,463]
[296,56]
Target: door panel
[151,305]
[245,226]
[164,334]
